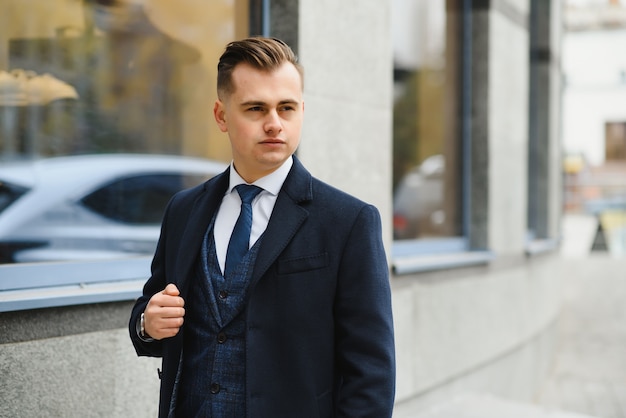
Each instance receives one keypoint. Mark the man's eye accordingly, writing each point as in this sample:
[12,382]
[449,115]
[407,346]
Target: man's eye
[287,108]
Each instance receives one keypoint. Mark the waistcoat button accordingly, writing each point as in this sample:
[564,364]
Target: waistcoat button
[223,294]
[215,388]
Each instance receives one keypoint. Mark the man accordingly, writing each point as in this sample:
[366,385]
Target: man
[300,324]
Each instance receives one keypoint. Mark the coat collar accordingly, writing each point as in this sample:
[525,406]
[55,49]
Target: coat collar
[298,184]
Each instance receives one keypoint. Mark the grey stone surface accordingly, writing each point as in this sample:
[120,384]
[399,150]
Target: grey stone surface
[516,373]
[37,324]
[449,330]
[588,375]
[87,375]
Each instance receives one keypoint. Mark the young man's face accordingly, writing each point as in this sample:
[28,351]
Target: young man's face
[263,118]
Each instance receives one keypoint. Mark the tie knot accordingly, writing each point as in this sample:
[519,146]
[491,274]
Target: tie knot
[247,192]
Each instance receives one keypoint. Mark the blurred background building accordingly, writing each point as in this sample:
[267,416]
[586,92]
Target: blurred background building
[594,116]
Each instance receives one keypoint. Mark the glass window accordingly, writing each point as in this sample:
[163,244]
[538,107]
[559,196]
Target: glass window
[137,199]
[9,193]
[427,140]
[83,81]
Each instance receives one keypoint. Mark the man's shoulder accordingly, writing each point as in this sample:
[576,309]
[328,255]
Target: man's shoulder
[328,191]
[321,187]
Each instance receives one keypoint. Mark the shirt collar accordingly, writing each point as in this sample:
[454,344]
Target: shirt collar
[271,183]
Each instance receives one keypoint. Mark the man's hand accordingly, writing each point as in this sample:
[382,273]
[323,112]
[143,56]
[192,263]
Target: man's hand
[164,313]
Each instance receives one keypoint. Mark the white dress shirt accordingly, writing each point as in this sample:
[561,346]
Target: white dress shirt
[262,207]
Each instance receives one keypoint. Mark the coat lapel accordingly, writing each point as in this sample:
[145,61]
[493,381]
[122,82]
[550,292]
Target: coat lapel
[287,217]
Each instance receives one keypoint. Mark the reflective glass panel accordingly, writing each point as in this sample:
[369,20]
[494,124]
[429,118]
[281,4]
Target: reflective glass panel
[105,112]
[427,119]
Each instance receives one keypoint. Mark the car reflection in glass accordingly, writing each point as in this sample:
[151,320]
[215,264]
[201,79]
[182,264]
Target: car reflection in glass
[418,201]
[90,207]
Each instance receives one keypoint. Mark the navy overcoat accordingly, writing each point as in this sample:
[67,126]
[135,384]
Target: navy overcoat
[319,338]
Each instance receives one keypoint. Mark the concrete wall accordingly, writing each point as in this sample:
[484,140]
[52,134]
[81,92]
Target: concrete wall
[485,328]
[346,50]
[74,361]
[507,133]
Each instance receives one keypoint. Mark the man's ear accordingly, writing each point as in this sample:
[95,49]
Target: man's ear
[219,111]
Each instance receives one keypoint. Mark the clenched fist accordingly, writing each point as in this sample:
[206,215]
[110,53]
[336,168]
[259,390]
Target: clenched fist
[164,313]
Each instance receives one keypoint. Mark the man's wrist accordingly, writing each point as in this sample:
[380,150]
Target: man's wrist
[141,329]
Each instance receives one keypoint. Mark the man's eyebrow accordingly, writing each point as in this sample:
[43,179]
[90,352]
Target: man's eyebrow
[252,103]
[289,101]
[262,103]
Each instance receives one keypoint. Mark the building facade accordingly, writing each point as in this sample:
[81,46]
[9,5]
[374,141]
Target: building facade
[443,114]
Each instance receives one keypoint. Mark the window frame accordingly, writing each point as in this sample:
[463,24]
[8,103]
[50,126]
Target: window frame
[420,255]
[538,240]
[28,285]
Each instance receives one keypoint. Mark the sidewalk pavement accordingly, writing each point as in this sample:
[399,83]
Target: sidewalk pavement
[588,379]
[487,406]
[589,374]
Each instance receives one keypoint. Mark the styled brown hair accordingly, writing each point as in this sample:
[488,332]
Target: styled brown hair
[266,54]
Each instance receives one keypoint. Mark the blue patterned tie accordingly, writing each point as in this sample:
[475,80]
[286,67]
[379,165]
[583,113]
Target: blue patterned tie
[240,238]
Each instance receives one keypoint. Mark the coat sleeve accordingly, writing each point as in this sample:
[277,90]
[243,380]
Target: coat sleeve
[155,283]
[364,325]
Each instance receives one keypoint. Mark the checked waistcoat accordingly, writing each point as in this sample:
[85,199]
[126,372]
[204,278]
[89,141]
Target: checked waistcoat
[212,378]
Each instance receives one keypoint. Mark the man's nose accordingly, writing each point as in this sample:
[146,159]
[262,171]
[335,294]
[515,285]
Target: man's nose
[273,122]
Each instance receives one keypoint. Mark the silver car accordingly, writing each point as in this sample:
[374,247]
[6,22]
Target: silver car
[418,210]
[90,207]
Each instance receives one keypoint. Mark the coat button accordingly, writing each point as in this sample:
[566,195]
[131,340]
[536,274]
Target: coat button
[223,294]
[221,337]
[215,388]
